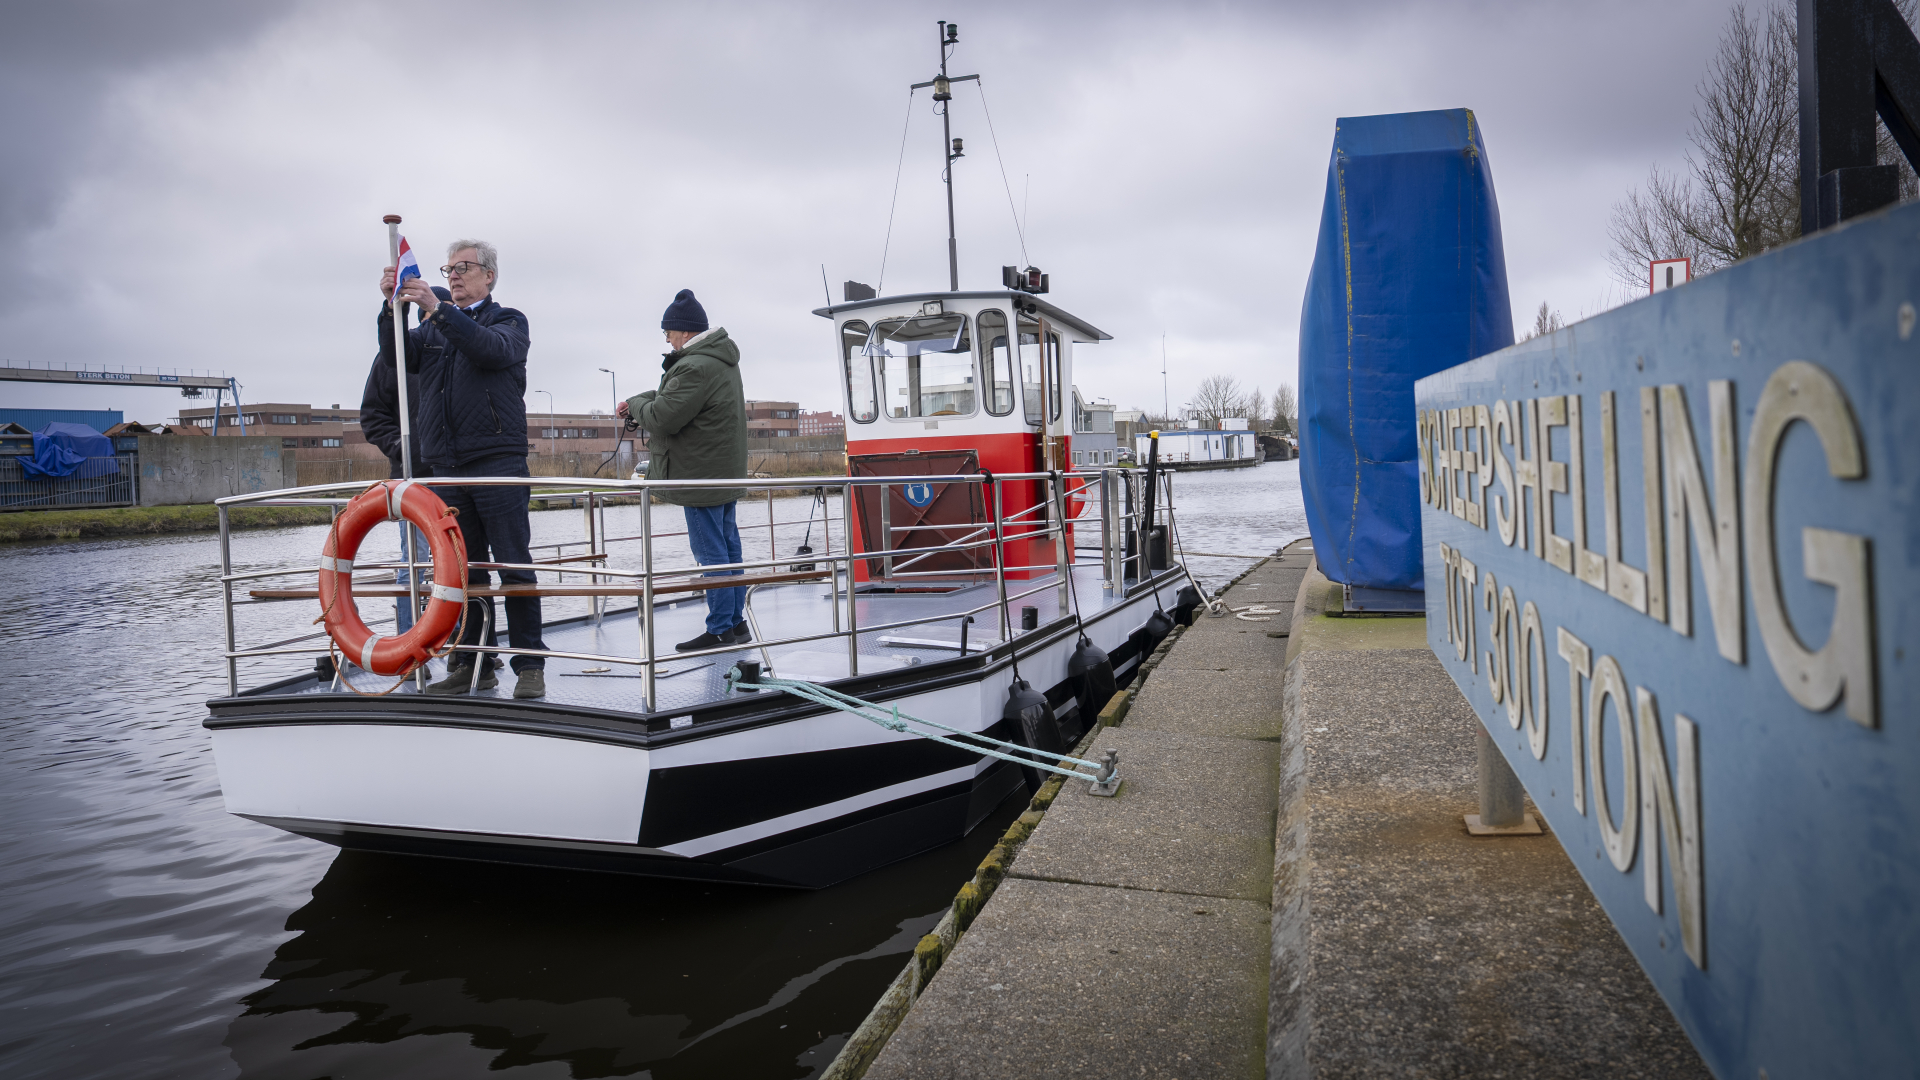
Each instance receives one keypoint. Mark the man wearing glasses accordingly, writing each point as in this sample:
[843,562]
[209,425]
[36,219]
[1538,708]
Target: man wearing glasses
[471,356]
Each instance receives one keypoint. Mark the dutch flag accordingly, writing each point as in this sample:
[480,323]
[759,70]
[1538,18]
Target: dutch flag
[408,268]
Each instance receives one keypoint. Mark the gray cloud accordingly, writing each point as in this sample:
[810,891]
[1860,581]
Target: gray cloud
[57,62]
[207,193]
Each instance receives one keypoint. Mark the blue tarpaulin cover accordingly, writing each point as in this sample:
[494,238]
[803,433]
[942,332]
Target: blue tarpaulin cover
[1409,278]
[62,450]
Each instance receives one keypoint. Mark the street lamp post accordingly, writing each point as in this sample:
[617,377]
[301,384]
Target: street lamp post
[616,405]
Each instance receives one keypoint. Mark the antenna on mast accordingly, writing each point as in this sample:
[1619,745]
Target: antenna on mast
[1166,402]
[942,94]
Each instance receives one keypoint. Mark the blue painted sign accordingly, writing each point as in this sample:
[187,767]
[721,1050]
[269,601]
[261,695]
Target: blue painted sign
[1672,558]
[919,495]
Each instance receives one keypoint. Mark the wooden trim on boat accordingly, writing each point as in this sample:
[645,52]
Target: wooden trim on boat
[738,581]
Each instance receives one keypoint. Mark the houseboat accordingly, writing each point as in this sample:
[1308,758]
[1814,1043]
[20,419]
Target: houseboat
[1231,445]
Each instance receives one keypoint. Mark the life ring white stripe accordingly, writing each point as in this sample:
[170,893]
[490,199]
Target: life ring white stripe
[396,493]
[448,592]
[338,566]
[366,651]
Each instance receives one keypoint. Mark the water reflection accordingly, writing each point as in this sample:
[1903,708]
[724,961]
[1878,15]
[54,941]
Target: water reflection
[404,964]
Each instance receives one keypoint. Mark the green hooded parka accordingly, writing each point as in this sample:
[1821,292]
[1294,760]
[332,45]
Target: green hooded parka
[696,422]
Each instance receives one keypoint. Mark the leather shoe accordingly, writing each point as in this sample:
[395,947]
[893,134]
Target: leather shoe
[704,641]
[741,633]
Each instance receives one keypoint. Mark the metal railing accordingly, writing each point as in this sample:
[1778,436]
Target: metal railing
[1117,509]
[95,481]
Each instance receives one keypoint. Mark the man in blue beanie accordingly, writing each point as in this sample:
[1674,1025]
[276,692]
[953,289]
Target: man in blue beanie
[697,430]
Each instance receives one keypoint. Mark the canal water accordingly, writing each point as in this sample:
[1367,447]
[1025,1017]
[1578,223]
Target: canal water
[145,932]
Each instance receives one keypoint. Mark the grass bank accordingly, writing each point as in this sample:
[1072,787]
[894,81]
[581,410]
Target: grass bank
[143,520]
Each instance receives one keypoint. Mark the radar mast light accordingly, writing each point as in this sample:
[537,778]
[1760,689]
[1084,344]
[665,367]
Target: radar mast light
[1030,280]
[942,83]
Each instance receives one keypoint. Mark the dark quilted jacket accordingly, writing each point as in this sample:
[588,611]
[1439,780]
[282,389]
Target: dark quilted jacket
[473,381]
[380,414]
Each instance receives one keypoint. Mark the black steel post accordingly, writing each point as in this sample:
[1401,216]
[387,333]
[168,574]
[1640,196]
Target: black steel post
[1858,58]
[1146,511]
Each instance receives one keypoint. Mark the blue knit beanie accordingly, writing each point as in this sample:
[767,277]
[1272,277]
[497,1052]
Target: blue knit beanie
[685,313]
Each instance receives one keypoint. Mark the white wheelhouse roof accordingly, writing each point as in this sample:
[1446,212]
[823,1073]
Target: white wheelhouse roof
[1082,330]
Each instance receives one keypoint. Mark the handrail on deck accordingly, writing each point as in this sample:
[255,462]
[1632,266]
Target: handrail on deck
[1120,494]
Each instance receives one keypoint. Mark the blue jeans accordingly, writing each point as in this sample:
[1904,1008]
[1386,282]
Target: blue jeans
[494,520]
[402,606]
[714,536]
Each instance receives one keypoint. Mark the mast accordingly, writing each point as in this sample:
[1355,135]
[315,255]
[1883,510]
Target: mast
[942,84]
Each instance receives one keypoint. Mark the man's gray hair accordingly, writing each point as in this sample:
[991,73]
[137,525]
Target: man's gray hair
[489,258]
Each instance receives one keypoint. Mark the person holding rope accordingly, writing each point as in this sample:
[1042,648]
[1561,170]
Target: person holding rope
[470,354]
[698,421]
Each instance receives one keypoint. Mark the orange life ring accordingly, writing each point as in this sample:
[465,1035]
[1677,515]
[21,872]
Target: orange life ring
[1076,494]
[393,500]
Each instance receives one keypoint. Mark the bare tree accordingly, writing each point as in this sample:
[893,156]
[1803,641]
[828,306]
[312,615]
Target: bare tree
[1544,322]
[1741,192]
[1257,410]
[1218,397]
[1285,410]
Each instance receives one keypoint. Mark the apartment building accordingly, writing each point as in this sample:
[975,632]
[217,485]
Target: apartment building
[332,427]
[1094,441]
[299,426]
[773,419]
[596,432]
[822,423]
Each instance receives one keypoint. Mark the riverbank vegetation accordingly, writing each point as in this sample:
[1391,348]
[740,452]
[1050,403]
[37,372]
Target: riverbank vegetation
[144,520]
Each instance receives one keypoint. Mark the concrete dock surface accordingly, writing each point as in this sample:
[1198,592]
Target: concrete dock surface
[1285,887]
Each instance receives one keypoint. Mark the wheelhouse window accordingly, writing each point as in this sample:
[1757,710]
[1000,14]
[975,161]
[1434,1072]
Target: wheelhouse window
[996,359]
[926,365]
[1034,368]
[1054,385]
[861,403]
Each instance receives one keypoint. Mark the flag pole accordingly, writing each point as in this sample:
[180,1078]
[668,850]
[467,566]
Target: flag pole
[400,349]
[408,536]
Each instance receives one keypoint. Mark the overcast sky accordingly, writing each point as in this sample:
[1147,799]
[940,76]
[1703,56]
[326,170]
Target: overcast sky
[199,184]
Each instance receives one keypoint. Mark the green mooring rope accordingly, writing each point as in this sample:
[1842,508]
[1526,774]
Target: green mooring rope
[891,718]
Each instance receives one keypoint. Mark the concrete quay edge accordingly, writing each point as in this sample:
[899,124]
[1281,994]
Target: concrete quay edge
[872,1036]
[1130,936]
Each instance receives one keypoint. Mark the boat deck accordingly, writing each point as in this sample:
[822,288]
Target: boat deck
[780,611]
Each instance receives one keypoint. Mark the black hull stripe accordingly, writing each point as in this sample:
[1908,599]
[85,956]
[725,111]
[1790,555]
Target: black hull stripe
[809,858]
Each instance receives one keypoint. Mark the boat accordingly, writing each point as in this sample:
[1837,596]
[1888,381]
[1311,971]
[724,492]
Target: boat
[974,581]
[1231,445]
